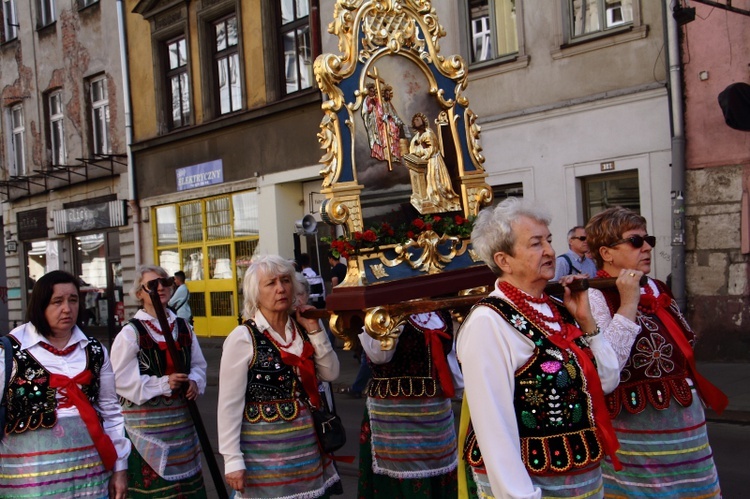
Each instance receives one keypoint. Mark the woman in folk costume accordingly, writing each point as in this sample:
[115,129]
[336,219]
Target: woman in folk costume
[268,382]
[408,445]
[657,409]
[64,434]
[166,457]
[535,371]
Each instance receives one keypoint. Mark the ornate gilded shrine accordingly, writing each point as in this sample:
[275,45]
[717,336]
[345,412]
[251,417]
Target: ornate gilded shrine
[402,149]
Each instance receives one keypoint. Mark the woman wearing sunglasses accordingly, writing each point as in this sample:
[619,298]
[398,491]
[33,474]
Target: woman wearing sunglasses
[166,451]
[657,408]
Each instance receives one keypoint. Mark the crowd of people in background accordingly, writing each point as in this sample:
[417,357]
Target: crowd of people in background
[594,393]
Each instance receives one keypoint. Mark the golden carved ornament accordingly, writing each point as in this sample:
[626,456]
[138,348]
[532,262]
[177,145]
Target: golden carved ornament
[431,260]
[473,131]
[328,138]
[382,326]
[336,324]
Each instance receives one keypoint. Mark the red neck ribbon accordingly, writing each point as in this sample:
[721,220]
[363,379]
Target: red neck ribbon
[70,389]
[714,398]
[306,367]
[170,367]
[432,338]
[593,383]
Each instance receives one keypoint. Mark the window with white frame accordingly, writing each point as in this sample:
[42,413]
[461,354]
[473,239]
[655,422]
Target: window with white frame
[17,161]
[10,20]
[294,26]
[46,12]
[177,82]
[493,29]
[228,82]
[56,128]
[100,116]
[588,17]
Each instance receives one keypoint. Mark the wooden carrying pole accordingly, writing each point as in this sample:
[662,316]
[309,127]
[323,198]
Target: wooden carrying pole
[221,490]
[429,305]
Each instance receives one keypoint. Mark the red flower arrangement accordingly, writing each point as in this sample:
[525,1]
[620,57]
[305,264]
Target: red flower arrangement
[385,233]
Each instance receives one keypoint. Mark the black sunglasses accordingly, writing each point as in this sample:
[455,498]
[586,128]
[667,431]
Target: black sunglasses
[637,241]
[580,238]
[153,284]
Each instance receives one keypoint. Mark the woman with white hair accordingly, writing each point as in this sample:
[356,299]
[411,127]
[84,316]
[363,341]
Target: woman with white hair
[270,367]
[535,370]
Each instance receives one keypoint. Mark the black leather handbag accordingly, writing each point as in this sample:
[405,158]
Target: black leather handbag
[330,430]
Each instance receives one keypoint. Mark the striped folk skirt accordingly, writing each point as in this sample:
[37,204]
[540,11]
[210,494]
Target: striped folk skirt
[665,455]
[408,449]
[57,462]
[166,457]
[583,484]
[283,459]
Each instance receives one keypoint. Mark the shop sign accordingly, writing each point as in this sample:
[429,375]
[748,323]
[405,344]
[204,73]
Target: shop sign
[90,217]
[200,175]
[32,224]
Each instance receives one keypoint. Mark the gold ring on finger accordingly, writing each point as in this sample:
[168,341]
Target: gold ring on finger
[632,274]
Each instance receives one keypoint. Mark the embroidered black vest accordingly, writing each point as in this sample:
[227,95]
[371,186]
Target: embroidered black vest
[31,401]
[411,372]
[553,408]
[152,360]
[656,371]
[272,391]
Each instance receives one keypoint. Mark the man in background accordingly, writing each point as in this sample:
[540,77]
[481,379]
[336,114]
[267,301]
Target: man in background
[179,301]
[338,270]
[575,260]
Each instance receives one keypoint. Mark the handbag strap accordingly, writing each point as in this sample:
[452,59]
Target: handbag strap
[8,349]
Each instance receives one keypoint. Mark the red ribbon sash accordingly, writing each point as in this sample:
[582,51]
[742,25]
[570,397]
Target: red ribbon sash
[713,397]
[306,367]
[432,338]
[594,384]
[70,389]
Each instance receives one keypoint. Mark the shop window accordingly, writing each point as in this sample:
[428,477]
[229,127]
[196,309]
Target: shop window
[212,240]
[219,262]
[191,222]
[493,29]
[218,218]
[41,257]
[605,191]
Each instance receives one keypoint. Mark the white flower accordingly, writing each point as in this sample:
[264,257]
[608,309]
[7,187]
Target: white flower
[518,321]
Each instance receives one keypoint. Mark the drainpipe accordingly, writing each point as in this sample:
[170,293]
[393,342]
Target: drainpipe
[132,194]
[677,115]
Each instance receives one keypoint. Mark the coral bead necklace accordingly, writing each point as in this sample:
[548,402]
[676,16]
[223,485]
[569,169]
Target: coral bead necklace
[523,301]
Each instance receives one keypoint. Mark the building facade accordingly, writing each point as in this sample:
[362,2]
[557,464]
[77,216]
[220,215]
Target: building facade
[63,175]
[715,45]
[571,97]
[225,117]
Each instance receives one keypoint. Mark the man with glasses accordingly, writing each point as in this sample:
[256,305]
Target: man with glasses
[575,260]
